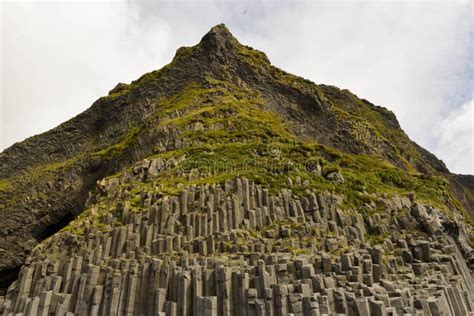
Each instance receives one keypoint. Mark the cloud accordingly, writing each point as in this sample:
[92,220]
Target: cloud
[413,58]
[456,138]
[57,58]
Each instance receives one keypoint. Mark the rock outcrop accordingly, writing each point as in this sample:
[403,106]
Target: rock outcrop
[221,185]
[238,249]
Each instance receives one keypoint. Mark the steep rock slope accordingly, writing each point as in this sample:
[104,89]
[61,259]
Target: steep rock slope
[217,113]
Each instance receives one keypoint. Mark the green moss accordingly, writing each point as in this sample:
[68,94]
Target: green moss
[248,134]
[237,138]
[253,56]
[93,218]
[191,96]
[117,149]
[5,185]
[380,122]
[375,239]
[53,167]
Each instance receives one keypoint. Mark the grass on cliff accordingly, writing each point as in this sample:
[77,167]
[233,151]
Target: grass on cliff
[118,148]
[237,138]
[32,185]
[5,185]
[379,121]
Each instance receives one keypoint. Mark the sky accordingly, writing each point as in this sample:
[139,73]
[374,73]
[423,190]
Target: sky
[415,58]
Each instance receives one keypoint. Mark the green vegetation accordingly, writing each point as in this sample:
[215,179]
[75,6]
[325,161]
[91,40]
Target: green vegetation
[375,239]
[192,95]
[380,122]
[253,56]
[39,175]
[117,149]
[92,216]
[5,185]
[228,135]
[236,137]
[53,167]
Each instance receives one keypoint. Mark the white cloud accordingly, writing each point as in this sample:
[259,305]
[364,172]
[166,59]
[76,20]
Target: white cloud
[58,58]
[456,139]
[413,58]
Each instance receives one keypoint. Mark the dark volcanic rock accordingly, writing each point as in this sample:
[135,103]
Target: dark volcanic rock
[137,248]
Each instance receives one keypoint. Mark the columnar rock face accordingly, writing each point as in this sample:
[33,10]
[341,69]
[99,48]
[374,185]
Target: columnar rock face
[221,185]
[237,249]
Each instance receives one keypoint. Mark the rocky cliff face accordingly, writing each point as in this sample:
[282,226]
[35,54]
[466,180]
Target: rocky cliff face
[220,184]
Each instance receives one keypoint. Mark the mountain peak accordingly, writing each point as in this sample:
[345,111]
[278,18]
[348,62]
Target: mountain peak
[219,34]
[220,30]
[219,39]
[219,48]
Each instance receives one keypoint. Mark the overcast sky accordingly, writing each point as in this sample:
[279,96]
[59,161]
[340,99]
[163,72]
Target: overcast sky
[414,58]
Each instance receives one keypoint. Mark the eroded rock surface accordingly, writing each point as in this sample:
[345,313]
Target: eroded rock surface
[221,185]
[239,249]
